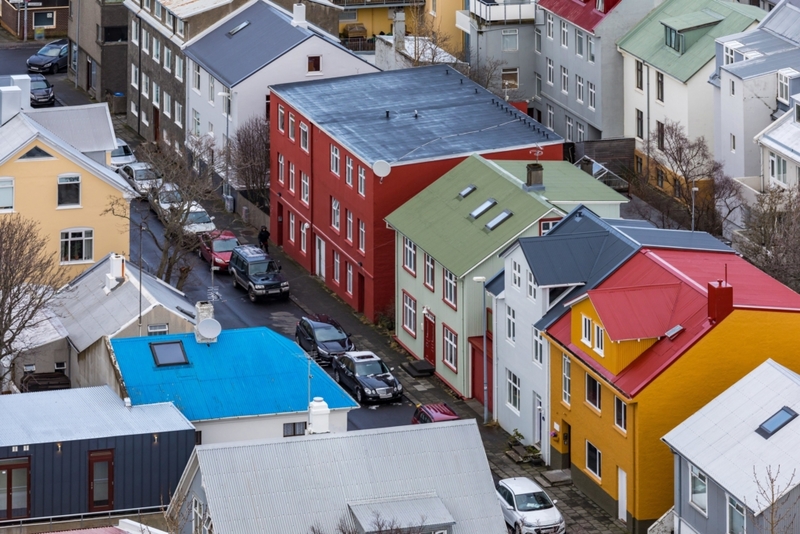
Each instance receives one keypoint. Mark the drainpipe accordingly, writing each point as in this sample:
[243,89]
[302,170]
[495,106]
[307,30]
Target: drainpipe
[647,121]
[77,45]
[139,81]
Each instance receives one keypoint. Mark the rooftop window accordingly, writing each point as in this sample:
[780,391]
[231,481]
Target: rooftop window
[467,191]
[500,219]
[239,28]
[776,422]
[673,39]
[168,353]
[483,208]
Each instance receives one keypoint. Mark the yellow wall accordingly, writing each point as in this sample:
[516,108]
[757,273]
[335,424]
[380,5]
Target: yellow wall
[587,423]
[444,22]
[36,197]
[736,346]
[375,20]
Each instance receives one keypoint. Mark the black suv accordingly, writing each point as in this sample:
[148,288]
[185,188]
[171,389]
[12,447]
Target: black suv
[322,337]
[258,273]
[367,376]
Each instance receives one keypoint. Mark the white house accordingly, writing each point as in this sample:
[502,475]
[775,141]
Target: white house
[779,147]
[232,64]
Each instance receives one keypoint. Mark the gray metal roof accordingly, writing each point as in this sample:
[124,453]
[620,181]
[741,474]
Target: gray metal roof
[497,283]
[78,414]
[721,440]
[783,136]
[666,238]
[290,485]
[88,313]
[784,20]
[434,112]
[269,34]
[407,512]
[87,128]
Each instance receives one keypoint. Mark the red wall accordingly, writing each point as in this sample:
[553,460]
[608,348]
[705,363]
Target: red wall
[403,182]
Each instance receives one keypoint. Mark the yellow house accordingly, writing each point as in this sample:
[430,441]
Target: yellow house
[663,335]
[373,17]
[44,177]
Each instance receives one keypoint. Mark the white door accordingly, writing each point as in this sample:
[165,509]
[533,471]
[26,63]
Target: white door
[622,495]
[320,258]
[538,420]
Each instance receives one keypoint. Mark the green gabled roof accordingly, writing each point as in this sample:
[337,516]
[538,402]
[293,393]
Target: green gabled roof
[646,40]
[437,219]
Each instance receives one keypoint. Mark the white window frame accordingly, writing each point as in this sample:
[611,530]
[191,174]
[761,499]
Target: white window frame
[549,25]
[303,238]
[450,347]
[450,288]
[598,460]
[599,339]
[291,126]
[179,67]
[510,40]
[348,170]
[178,114]
[161,329]
[349,225]
[590,49]
[566,379]
[564,34]
[68,179]
[430,272]
[550,117]
[564,80]
[362,236]
[516,274]
[531,286]
[592,96]
[578,43]
[409,314]
[6,183]
[593,383]
[145,41]
[304,136]
[335,159]
[537,40]
[511,324]
[550,71]
[291,227]
[586,330]
[83,238]
[579,88]
[281,168]
[513,391]
[134,76]
[362,181]
[734,506]
[581,132]
[156,50]
[336,266]
[305,187]
[349,286]
[335,214]
[410,256]
[135,31]
[696,474]
[620,414]
[281,115]
[569,129]
[538,347]
[784,75]
[292,176]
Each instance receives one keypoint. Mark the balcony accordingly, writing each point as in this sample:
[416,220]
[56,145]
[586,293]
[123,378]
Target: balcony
[377,3]
[508,11]
[359,44]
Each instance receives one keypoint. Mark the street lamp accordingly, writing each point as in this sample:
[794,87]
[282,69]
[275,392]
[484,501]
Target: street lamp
[482,280]
[694,190]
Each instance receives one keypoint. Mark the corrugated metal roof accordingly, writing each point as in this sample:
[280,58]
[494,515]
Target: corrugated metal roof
[88,313]
[646,40]
[406,512]
[783,136]
[290,485]
[689,21]
[666,238]
[435,112]
[267,35]
[249,371]
[721,439]
[784,20]
[582,14]
[565,183]
[497,283]
[78,414]
[636,313]
[184,9]
[87,128]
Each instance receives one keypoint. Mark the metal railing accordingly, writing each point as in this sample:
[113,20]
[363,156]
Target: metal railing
[88,516]
[359,44]
[375,3]
[505,11]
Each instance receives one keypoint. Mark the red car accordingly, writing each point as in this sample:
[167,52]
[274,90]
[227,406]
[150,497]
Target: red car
[433,413]
[216,247]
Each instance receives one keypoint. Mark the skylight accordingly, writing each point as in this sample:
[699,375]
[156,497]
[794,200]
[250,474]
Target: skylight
[467,190]
[500,219]
[776,422]
[483,208]
[168,353]
[239,28]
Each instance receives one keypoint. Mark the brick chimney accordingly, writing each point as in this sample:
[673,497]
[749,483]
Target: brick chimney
[535,177]
[720,301]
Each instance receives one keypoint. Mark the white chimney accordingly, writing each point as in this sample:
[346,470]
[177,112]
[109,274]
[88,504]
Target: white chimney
[399,31]
[319,416]
[116,274]
[23,81]
[299,16]
[206,328]
[10,102]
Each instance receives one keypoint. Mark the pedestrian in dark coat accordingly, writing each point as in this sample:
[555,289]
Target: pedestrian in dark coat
[263,239]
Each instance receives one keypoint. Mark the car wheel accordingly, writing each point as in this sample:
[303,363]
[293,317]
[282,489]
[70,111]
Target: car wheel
[359,395]
[336,377]
[251,294]
[518,529]
[54,68]
[233,280]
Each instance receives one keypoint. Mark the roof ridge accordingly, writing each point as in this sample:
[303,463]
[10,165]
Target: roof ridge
[667,266]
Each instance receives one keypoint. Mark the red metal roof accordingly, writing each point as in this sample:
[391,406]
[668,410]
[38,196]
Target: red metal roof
[657,290]
[579,13]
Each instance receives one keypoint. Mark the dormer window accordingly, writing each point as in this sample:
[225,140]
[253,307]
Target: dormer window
[784,76]
[797,113]
[728,52]
[673,39]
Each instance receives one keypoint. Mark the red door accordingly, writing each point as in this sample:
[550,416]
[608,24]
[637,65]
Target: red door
[477,371]
[429,333]
[101,481]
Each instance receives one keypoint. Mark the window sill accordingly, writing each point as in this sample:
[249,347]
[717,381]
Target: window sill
[430,288]
[593,408]
[599,353]
[450,304]
[406,269]
[317,73]
[699,510]
[622,432]
[593,476]
[566,405]
[514,410]
[77,262]
[69,207]
[450,366]
[409,332]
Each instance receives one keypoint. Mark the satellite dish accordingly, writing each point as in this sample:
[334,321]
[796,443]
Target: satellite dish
[381,168]
[209,328]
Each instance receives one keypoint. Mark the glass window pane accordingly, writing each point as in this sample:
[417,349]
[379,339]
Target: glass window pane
[19,492]
[100,492]
[3,494]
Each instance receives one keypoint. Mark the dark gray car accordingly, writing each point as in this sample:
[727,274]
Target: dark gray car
[42,93]
[51,58]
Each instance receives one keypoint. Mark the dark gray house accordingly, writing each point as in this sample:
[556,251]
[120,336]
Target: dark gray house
[736,458]
[79,451]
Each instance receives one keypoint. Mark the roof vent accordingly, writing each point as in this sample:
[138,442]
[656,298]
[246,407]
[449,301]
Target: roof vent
[239,28]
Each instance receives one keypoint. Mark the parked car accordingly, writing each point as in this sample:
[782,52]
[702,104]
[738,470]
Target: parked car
[216,248]
[51,58]
[142,176]
[433,413]
[259,274]
[42,93]
[527,508]
[322,337]
[366,376]
[164,198]
[198,221]
[122,155]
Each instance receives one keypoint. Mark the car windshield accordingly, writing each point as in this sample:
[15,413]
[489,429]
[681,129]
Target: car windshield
[122,150]
[169,197]
[198,217]
[50,51]
[142,175]
[328,332]
[373,367]
[39,84]
[530,502]
[262,267]
[224,245]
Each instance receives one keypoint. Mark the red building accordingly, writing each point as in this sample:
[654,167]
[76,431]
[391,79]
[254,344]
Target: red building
[330,142]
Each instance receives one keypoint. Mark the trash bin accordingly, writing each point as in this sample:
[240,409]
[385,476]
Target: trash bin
[116,102]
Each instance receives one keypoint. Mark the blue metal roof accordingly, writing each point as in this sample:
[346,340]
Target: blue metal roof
[497,283]
[433,112]
[249,371]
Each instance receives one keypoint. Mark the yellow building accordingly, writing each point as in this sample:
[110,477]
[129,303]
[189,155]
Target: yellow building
[44,177]
[652,344]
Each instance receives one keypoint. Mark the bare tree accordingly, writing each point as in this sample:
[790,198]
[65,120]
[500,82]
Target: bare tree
[684,164]
[29,279]
[431,44]
[771,239]
[379,525]
[249,154]
[192,184]
[779,511]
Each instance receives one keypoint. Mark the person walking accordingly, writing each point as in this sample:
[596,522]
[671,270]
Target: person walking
[263,239]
